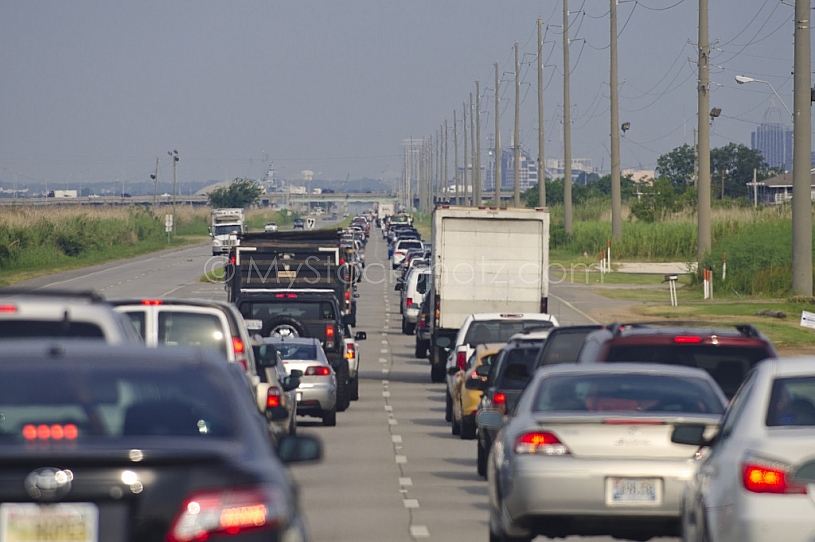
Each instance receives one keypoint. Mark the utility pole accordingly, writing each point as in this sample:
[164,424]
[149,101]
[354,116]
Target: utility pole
[455,161]
[472,155]
[465,158]
[616,199]
[155,186]
[567,126]
[174,156]
[480,182]
[541,159]
[497,142]
[516,156]
[801,165]
[703,108]
[446,163]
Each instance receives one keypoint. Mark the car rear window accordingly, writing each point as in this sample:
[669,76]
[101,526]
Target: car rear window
[792,402]
[73,405]
[563,347]
[43,329]
[297,351]
[192,329]
[138,319]
[499,331]
[300,310]
[626,393]
[517,368]
[728,365]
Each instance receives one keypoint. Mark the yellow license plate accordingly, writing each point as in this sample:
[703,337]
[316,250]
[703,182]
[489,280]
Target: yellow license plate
[63,522]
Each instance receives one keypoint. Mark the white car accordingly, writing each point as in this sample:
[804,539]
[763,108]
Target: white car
[745,489]
[271,226]
[352,355]
[486,328]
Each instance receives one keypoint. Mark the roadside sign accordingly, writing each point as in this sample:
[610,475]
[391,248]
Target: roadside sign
[168,223]
[310,222]
[808,319]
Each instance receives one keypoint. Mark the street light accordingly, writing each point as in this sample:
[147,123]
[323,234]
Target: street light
[742,79]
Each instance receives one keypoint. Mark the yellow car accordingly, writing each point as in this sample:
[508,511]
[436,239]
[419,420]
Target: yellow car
[465,402]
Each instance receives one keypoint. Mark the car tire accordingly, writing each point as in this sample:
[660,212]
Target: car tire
[437,373]
[285,324]
[404,327]
[343,387]
[421,349]
[330,417]
[455,425]
[293,426]
[410,328]
[481,460]
[355,388]
[448,407]
[467,429]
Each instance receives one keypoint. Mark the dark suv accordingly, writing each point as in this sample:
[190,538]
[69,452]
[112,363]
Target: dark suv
[301,313]
[726,353]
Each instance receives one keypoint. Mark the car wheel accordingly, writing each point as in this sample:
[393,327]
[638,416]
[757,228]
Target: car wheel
[456,426]
[355,388]
[343,387]
[481,459]
[410,328]
[421,349]
[448,407]
[467,429]
[293,426]
[404,327]
[330,417]
[437,373]
[285,326]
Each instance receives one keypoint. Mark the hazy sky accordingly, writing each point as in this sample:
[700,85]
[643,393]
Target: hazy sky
[96,90]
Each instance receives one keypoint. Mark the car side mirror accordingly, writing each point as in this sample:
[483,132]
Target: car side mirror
[475,384]
[452,370]
[693,435]
[356,294]
[290,383]
[296,372]
[299,449]
[398,287]
[482,370]
[360,336]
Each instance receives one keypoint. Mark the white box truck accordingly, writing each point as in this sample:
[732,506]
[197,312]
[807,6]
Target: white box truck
[226,227]
[485,260]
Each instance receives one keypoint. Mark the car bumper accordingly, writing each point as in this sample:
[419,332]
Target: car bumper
[316,397]
[582,487]
[765,518]
[411,314]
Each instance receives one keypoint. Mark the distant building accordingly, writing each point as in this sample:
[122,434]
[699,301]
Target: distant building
[639,175]
[581,169]
[773,139]
[528,169]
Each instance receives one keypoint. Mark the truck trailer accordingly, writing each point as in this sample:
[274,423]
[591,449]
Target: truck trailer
[226,227]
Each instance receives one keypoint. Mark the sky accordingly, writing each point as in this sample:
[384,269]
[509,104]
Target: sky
[96,91]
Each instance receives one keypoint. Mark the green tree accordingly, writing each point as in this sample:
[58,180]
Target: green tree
[677,166]
[240,193]
[657,202]
[731,168]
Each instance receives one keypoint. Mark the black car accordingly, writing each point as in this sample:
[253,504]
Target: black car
[563,344]
[299,224]
[124,443]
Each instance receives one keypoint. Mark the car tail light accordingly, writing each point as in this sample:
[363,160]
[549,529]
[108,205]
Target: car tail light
[350,351]
[228,512]
[760,477]
[512,316]
[152,302]
[632,421]
[232,260]
[687,339]
[409,301]
[8,308]
[329,336]
[317,370]
[540,443]
[499,401]
[422,323]
[273,397]
[461,359]
[240,352]
[55,431]
[342,261]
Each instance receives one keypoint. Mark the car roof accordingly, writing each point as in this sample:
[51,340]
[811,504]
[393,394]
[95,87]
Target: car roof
[789,366]
[513,316]
[617,368]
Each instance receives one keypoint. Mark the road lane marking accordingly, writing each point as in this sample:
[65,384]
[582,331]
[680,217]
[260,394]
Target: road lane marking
[411,503]
[396,438]
[404,482]
[419,531]
[401,459]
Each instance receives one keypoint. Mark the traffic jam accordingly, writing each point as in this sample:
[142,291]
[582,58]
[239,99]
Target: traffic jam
[176,420]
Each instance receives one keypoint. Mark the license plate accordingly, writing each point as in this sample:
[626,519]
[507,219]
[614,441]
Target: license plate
[287,274]
[633,491]
[63,522]
[299,396]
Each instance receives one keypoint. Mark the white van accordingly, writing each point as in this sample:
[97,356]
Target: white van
[413,292]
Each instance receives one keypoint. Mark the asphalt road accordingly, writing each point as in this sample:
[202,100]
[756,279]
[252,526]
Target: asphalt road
[392,469]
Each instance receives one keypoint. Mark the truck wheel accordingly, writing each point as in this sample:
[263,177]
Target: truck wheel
[437,372]
[343,387]
[355,388]
[285,326]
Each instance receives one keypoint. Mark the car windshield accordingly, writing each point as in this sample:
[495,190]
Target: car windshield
[726,364]
[77,405]
[499,331]
[228,229]
[42,329]
[297,351]
[792,402]
[192,329]
[626,393]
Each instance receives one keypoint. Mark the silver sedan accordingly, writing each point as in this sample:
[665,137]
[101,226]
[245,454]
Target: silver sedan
[757,482]
[589,451]
[317,392]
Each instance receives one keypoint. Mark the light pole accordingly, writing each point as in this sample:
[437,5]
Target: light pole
[174,155]
[742,79]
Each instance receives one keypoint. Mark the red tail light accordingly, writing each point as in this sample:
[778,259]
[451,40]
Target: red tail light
[273,397]
[55,431]
[232,260]
[227,512]
[350,351]
[499,398]
[240,352]
[342,261]
[687,339]
[152,302]
[409,301]
[762,478]
[318,370]
[422,323]
[8,308]
[540,443]
[329,336]
[461,359]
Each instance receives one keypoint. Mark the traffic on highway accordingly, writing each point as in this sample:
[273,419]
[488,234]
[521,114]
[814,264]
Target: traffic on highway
[375,383]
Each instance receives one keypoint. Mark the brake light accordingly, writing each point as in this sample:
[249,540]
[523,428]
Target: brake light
[422,323]
[687,339]
[285,296]
[499,398]
[461,359]
[512,316]
[240,352]
[762,478]
[8,308]
[273,397]
[409,301]
[227,512]
[232,260]
[342,261]
[350,351]
[631,421]
[55,431]
[318,370]
[348,296]
[152,302]
[540,443]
